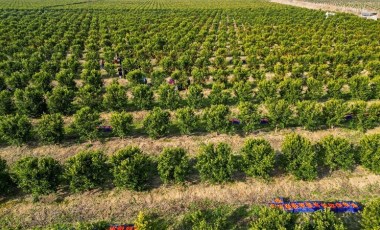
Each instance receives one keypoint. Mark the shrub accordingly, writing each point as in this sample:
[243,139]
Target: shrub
[267,90]
[291,90]
[195,96]
[37,175]
[338,153]
[310,114]
[258,158]
[314,89]
[219,218]
[369,149]
[142,96]
[60,100]
[30,102]
[136,76]
[215,164]
[85,124]
[66,78]
[86,170]
[371,215]
[324,219]
[131,169]
[249,116]
[6,103]
[273,218]
[157,123]
[115,98]
[218,95]
[157,78]
[334,112]
[89,96]
[173,165]
[42,80]
[360,88]
[216,118]
[50,128]
[5,179]
[300,157]
[280,113]
[16,129]
[168,96]
[243,91]
[186,120]
[121,124]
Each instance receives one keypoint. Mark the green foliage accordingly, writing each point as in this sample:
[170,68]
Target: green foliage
[216,118]
[334,112]
[314,89]
[6,103]
[142,96]
[371,215]
[66,78]
[85,124]
[15,130]
[89,96]
[195,96]
[208,219]
[243,91]
[369,150]
[157,78]
[272,218]
[310,114]
[157,123]
[280,113]
[186,120]
[115,98]
[37,175]
[136,76]
[249,116]
[168,96]
[218,96]
[360,88]
[291,90]
[173,165]
[131,169]
[258,158]
[320,220]
[121,124]
[215,164]
[30,102]
[267,90]
[42,80]
[50,128]
[86,170]
[60,99]
[300,157]
[5,179]
[338,153]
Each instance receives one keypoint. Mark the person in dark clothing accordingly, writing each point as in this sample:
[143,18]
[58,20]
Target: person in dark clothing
[101,63]
[120,72]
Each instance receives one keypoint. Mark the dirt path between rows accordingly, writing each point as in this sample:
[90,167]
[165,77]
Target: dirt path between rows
[123,205]
[320,6]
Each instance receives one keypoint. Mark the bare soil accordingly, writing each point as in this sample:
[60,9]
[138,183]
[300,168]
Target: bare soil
[319,6]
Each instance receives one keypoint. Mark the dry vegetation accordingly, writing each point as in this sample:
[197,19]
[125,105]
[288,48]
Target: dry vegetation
[123,205]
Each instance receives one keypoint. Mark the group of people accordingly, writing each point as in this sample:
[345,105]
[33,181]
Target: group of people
[117,60]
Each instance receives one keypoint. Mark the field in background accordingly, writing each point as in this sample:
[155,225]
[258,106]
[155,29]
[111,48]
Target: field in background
[251,34]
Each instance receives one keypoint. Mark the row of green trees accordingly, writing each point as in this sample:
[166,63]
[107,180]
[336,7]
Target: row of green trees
[50,128]
[131,168]
[40,97]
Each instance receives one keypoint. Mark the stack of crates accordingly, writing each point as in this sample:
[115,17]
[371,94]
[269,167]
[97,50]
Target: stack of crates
[122,227]
[312,206]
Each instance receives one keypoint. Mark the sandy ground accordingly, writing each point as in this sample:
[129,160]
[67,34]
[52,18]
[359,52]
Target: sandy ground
[319,6]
